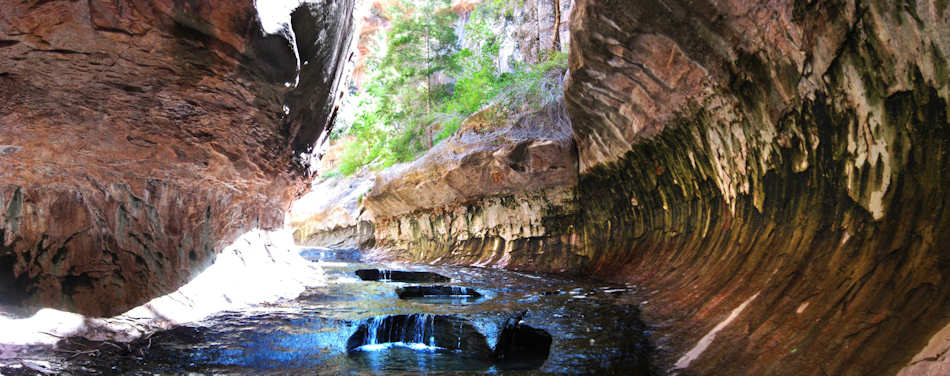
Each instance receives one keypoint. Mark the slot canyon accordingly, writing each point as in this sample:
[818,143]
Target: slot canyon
[649,187]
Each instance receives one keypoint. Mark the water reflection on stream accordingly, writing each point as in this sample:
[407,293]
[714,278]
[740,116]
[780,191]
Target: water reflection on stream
[595,329]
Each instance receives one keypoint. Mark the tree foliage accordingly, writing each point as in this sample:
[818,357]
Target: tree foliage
[422,84]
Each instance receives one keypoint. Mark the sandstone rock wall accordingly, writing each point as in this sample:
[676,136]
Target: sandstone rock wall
[332,214]
[137,138]
[469,185]
[782,163]
[500,192]
[522,231]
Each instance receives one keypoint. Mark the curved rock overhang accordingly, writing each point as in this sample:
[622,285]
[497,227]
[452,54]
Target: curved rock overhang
[138,138]
[773,173]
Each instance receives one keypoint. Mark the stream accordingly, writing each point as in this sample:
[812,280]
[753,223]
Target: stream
[356,326]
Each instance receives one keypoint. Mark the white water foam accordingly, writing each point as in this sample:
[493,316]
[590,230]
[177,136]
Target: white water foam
[388,345]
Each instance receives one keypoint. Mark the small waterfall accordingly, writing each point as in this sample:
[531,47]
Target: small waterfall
[416,330]
[459,345]
[372,328]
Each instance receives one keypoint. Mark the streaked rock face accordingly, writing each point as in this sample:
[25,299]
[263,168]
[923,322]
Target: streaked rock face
[140,137]
[790,155]
[498,193]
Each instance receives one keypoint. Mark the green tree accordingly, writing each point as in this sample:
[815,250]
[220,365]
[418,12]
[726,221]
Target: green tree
[401,105]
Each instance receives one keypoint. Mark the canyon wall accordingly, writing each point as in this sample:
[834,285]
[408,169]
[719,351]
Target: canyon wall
[773,174]
[138,138]
[499,193]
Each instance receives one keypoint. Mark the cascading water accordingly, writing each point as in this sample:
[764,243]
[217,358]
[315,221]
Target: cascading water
[459,345]
[419,341]
[415,331]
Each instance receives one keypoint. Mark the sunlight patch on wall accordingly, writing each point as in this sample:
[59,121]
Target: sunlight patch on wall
[259,267]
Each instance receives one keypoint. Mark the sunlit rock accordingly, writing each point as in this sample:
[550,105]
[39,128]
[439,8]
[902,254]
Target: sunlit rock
[332,214]
[491,195]
[259,267]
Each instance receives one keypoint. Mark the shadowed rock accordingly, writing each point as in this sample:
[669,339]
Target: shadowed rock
[167,151]
[400,276]
[410,292]
[522,347]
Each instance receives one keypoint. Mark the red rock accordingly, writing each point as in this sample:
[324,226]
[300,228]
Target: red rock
[143,136]
[773,172]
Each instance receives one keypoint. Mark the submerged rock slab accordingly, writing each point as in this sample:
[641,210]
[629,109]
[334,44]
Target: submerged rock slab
[400,276]
[141,137]
[410,292]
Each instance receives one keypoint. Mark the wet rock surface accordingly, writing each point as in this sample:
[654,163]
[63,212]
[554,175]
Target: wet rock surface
[141,137]
[400,276]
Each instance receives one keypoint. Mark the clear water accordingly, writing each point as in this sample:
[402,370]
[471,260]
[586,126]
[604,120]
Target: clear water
[595,328]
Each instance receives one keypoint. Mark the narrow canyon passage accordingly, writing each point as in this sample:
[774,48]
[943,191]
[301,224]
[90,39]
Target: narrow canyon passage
[651,187]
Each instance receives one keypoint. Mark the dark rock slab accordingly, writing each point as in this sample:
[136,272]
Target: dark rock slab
[411,292]
[400,276]
[522,347]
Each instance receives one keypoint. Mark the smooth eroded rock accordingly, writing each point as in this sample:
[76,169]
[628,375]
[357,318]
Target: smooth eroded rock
[141,137]
[773,172]
[332,214]
[501,193]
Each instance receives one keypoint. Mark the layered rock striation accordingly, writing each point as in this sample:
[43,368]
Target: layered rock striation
[137,138]
[499,193]
[773,173]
